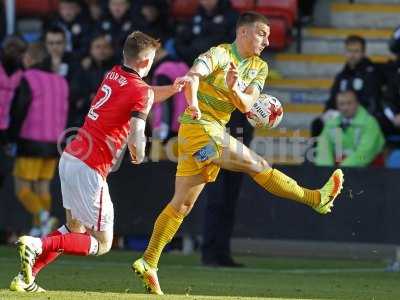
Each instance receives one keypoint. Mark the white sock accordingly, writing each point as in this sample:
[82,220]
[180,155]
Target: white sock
[94,246]
[37,245]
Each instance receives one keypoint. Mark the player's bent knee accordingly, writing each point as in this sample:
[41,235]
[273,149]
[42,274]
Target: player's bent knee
[104,247]
[258,165]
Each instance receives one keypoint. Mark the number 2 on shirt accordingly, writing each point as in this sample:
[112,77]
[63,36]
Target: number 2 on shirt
[107,94]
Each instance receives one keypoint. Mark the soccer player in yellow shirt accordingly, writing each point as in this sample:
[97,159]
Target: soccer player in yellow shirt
[225,78]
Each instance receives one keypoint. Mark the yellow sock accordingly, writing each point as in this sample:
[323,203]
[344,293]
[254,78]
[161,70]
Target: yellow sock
[283,186]
[45,201]
[165,227]
[30,200]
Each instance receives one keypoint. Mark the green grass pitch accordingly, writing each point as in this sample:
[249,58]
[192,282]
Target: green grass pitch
[181,277]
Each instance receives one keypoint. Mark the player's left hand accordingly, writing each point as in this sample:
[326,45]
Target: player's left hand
[232,76]
[137,155]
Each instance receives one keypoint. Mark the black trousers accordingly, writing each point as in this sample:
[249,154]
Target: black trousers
[219,220]
[221,199]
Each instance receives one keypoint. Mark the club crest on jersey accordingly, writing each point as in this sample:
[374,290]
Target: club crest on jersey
[252,73]
[205,153]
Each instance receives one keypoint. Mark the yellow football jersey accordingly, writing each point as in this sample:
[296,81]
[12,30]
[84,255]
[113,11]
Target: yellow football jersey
[214,95]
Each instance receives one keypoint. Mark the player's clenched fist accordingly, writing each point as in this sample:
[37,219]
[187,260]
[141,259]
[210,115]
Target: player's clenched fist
[195,112]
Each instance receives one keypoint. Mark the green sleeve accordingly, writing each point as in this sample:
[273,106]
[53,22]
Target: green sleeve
[370,145]
[325,154]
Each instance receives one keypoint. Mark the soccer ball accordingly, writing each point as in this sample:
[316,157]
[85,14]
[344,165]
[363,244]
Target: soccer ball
[266,112]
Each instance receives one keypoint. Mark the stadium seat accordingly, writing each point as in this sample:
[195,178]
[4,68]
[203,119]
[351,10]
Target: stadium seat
[183,9]
[279,8]
[243,5]
[279,37]
[33,8]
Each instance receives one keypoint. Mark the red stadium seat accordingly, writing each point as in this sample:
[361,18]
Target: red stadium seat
[279,8]
[279,37]
[183,9]
[243,5]
[35,7]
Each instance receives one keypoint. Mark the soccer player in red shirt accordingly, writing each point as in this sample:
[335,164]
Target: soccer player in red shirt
[116,118]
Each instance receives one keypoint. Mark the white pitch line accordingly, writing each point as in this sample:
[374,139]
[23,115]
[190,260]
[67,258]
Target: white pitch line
[95,264]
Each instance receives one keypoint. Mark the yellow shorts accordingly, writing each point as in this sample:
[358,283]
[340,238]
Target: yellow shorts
[33,169]
[198,145]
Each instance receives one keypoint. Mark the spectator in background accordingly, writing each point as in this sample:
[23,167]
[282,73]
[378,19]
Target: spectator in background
[360,75]
[95,11]
[93,68]
[38,117]
[59,61]
[214,23]
[222,197]
[10,77]
[165,115]
[353,138]
[117,23]
[75,26]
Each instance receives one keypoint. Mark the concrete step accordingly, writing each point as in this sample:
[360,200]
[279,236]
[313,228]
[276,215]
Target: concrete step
[299,90]
[313,65]
[331,40]
[365,15]
[300,83]
[288,143]
[283,146]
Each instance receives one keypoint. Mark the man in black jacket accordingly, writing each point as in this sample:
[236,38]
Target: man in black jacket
[360,75]
[213,24]
[75,25]
[221,202]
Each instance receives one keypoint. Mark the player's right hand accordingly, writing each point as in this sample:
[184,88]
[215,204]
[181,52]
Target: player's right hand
[232,76]
[194,112]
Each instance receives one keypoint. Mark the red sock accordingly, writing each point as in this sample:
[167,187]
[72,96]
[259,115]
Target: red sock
[47,257]
[70,243]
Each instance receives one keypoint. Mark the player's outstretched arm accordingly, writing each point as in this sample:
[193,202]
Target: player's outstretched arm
[242,100]
[163,92]
[192,79]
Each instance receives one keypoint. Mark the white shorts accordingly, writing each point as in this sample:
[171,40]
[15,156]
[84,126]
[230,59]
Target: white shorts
[85,193]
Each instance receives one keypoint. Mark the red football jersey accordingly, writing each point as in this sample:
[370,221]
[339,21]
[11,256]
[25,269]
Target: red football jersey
[99,142]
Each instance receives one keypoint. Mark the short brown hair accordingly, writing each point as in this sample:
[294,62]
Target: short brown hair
[137,42]
[37,52]
[250,17]
[355,39]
